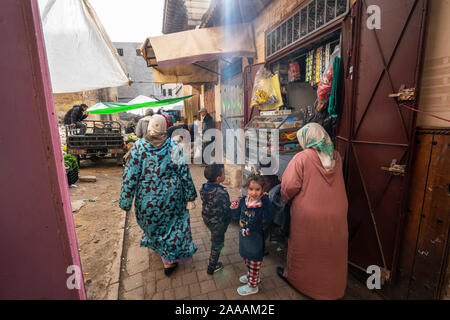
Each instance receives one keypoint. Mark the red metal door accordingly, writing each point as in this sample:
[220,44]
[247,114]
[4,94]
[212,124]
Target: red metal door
[249,78]
[374,129]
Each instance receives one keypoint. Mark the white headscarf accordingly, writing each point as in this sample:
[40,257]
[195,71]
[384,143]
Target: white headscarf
[314,136]
[156,130]
[156,125]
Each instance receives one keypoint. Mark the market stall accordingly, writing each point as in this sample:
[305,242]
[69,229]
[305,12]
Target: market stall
[301,87]
[300,82]
[310,81]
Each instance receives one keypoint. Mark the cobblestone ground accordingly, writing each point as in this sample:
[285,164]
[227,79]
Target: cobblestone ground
[142,275]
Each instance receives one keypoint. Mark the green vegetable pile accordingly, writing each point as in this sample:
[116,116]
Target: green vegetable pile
[70,162]
[132,138]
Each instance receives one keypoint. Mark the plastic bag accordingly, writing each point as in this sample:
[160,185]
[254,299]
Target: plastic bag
[266,90]
[324,88]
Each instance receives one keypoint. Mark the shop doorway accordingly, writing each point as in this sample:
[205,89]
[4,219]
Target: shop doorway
[376,133]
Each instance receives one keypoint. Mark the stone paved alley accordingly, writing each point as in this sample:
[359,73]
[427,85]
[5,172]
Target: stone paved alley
[142,275]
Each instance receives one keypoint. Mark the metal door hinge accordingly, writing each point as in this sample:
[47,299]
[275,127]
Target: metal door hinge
[395,169]
[404,94]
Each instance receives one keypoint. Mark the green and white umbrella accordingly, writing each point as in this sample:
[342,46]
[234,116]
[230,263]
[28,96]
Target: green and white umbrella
[115,107]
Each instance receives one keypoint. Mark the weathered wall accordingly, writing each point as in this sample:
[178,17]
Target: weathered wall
[37,233]
[177,90]
[217,103]
[192,105]
[435,89]
[209,99]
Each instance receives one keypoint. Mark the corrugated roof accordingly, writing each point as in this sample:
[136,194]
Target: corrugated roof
[180,15]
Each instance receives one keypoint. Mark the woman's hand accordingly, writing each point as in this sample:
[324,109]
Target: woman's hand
[190,205]
[234,204]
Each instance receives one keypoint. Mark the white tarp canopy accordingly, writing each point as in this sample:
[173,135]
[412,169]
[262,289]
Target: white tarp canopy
[80,54]
[142,99]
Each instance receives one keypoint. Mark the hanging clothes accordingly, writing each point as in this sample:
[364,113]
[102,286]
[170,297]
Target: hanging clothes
[327,56]
[318,66]
[336,88]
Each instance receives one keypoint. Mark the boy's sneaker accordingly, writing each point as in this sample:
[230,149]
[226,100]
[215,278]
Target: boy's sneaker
[243,279]
[219,266]
[247,290]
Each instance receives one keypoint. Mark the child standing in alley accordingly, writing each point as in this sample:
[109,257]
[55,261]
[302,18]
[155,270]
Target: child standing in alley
[256,212]
[216,212]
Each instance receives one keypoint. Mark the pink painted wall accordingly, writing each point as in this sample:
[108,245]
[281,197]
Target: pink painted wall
[37,235]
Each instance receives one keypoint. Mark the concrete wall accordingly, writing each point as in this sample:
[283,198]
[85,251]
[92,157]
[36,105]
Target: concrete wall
[37,234]
[435,89]
[177,90]
[139,73]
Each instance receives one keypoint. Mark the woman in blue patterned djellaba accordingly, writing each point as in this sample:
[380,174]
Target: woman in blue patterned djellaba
[162,184]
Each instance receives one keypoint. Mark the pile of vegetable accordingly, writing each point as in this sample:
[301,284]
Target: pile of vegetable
[70,162]
[132,138]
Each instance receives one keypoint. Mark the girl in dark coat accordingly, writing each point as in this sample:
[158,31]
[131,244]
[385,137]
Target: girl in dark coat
[256,212]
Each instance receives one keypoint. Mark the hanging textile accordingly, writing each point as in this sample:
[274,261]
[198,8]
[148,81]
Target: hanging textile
[318,66]
[327,56]
[335,88]
[294,71]
[309,66]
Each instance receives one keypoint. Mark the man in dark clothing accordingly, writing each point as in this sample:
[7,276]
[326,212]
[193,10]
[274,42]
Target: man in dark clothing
[76,115]
[216,212]
[207,120]
[131,126]
[207,123]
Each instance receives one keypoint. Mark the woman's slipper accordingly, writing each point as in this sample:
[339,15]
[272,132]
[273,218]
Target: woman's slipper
[168,271]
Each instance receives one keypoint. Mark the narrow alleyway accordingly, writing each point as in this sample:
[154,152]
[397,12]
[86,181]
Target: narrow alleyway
[142,275]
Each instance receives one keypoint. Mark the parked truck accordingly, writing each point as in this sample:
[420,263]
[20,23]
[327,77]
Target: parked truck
[103,140]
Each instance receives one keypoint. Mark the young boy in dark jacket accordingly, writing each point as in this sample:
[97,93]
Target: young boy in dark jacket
[216,212]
